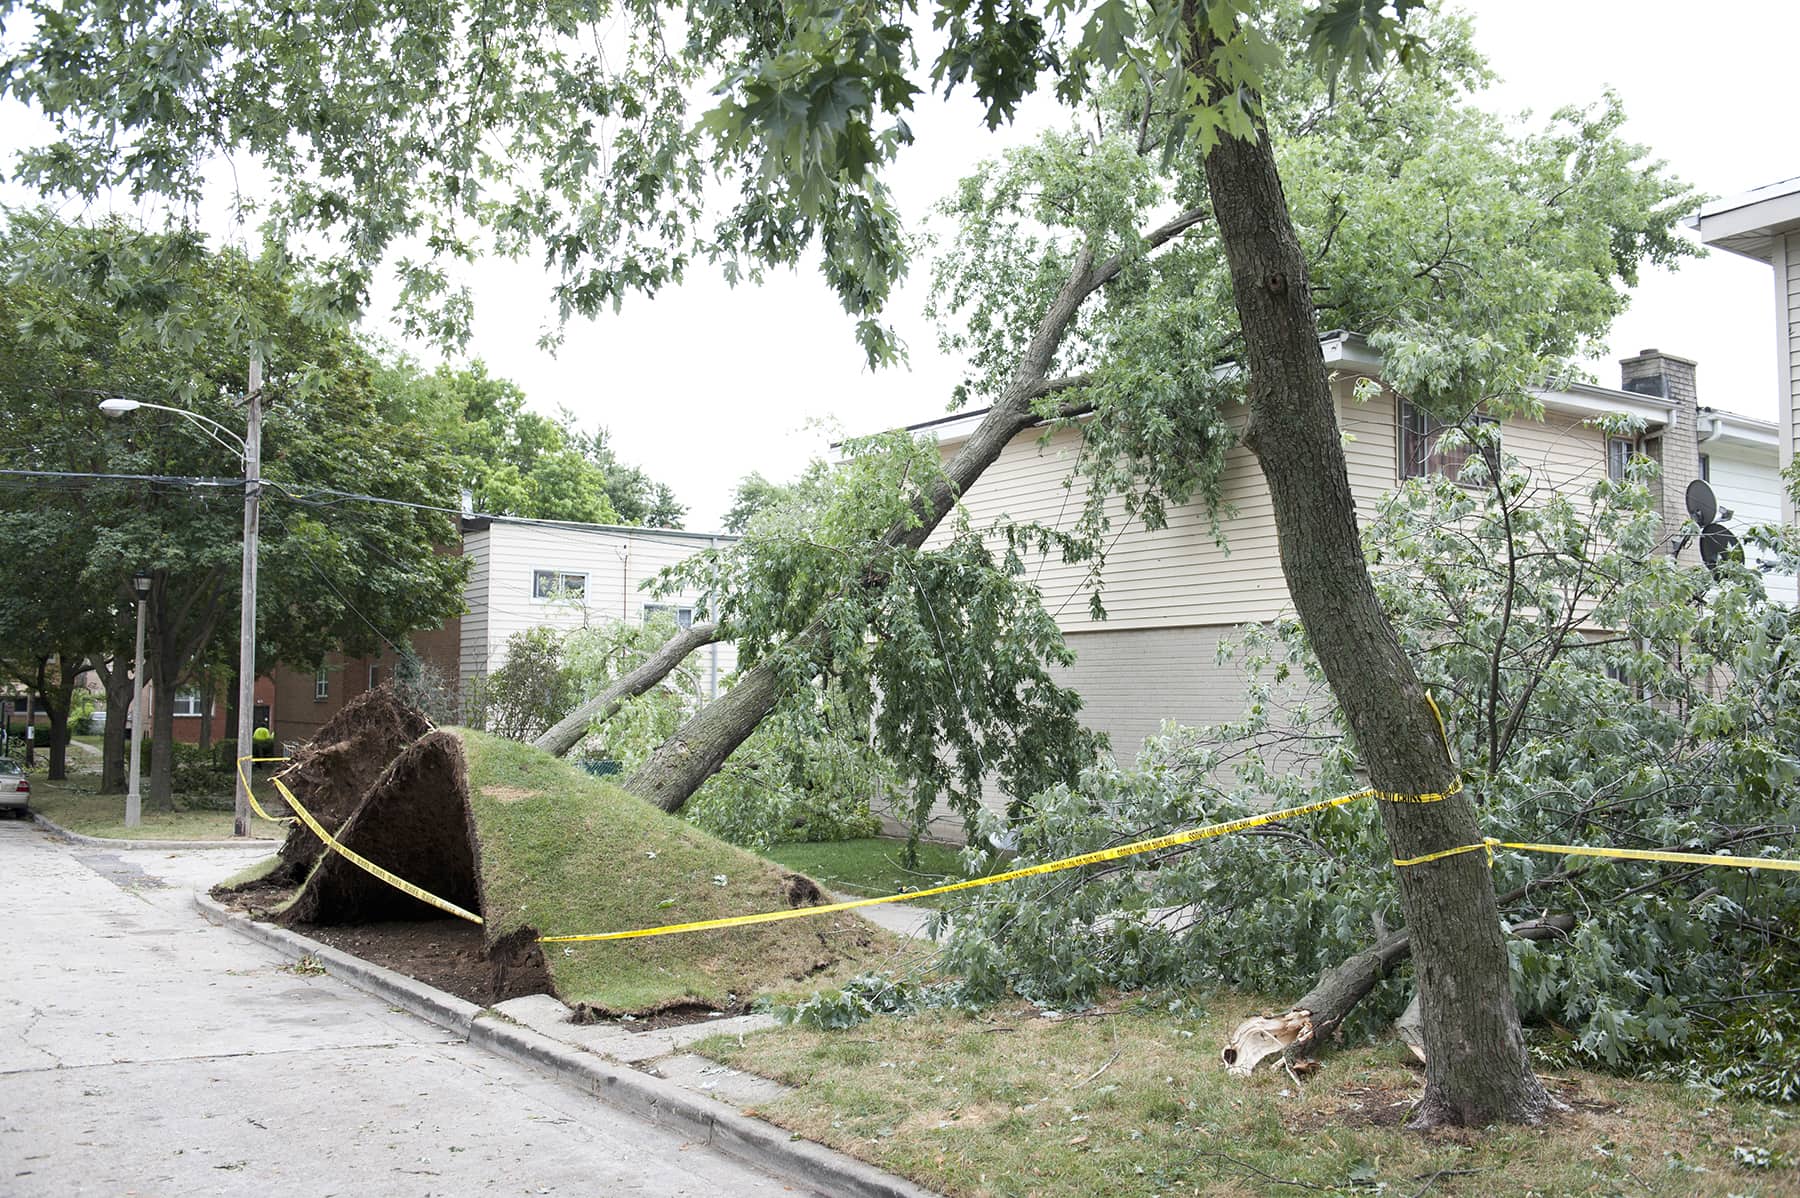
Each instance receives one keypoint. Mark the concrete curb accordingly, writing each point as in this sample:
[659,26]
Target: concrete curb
[427,1002]
[662,1102]
[106,842]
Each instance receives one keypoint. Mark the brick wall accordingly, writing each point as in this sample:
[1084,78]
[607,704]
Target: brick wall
[1677,450]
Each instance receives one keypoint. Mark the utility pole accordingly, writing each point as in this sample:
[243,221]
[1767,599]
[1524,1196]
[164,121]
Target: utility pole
[141,582]
[246,737]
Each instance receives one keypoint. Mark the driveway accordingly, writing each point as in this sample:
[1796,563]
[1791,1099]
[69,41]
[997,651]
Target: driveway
[144,1051]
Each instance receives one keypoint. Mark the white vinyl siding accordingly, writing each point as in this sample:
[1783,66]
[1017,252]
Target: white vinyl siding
[475,635]
[506,558]
[1744,480]
[1787,306]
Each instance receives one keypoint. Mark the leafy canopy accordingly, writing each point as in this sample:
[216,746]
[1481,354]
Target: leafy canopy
[424,134]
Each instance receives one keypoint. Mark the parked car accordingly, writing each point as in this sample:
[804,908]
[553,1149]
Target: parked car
[97,720]
[15,787]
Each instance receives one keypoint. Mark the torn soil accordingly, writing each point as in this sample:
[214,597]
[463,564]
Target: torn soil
[332,772]
[538,848]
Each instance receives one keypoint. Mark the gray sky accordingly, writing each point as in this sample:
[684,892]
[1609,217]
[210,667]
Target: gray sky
[706,383]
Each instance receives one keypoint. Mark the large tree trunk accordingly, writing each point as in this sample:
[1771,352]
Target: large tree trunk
[160,795]
[207,688]
[163,660]
[700,746]
[58,696]
[116,678]
[569,731]
[1477,1070]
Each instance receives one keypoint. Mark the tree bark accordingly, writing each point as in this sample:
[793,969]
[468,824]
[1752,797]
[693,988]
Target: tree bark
[206,710]
[1337,992]
[160,794]
[58,696]
[569,731]
[1477,1070]
[116,678]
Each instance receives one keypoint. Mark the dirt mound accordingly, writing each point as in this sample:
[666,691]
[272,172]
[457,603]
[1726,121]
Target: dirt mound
[332,772]
[536,847]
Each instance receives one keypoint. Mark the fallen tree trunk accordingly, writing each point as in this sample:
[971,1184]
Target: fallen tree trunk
[568,731]
[1322,1011]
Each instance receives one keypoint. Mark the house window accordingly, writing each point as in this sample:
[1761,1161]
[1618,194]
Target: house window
[1422,451]
[321,686]
[187,703]
[1706,467]
[374,675]
[557,584]
[1619,451]
[684,616]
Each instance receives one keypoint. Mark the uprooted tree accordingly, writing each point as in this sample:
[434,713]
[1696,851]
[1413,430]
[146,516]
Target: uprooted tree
[811,114]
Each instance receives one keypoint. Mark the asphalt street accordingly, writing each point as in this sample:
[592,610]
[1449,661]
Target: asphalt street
[144,1051]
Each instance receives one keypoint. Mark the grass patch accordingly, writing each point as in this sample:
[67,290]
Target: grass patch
[874,866]
[80,809]
[1134,1103]
[566,854]
[254,872]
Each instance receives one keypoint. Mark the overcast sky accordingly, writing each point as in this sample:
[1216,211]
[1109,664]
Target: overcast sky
[706,383]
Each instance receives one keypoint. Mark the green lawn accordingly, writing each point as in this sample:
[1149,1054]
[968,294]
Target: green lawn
[1129,1100]
[874,866]
[79,809]
[566,854]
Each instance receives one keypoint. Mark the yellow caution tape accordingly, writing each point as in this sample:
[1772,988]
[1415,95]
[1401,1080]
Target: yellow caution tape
[1582,850]
[250,791]
[1489,844]
[392,879]
[1094,858]
[1099,856]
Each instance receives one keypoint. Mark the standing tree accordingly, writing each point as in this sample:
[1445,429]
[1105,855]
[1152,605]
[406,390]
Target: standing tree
[110,311]
[812,111]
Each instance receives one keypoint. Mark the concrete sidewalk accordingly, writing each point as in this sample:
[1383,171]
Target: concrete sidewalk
[146,1052]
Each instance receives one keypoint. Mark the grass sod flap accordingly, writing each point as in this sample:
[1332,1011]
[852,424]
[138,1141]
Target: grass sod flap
[539,848]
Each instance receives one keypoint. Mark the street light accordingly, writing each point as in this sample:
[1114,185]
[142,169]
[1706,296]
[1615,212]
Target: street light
[134,799]
[249,448]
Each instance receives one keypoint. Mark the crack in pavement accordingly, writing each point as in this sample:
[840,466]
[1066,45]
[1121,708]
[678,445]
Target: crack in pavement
[227,1056]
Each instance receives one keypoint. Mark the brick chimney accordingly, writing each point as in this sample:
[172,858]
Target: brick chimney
[1676,450]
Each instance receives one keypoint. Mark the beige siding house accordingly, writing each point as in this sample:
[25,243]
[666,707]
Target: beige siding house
[1173,595]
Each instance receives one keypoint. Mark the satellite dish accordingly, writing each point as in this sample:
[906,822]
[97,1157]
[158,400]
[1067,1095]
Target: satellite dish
[1702,504]
[1715,541]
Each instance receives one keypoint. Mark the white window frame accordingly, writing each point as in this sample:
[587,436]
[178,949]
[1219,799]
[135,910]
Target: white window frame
[321,685]
[1633,448]
[559,585]
[188,704]
[683,613]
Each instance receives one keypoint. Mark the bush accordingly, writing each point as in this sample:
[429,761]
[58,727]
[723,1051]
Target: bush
[804,775]
[197,772]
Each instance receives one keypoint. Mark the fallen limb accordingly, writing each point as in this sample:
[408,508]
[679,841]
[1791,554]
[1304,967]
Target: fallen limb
[569,731]
[1300,1030]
